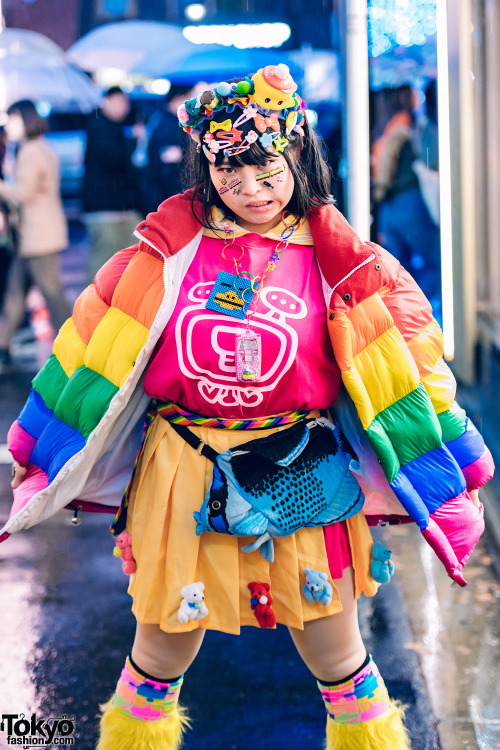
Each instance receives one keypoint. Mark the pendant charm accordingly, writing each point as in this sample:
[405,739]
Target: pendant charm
[231,295]
[248,355]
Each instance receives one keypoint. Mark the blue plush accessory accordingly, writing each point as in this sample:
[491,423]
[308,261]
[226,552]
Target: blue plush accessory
[382,567]
[317,587]
[231,295]
[276,485]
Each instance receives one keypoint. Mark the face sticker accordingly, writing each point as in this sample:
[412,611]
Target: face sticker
[230,186]
[223,181]
[268,184]
[271,173]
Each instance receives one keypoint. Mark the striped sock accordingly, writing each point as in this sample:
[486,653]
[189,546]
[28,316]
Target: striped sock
[359,697]
[143,697]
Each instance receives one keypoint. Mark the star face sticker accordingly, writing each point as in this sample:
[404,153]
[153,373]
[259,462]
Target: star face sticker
[281,143]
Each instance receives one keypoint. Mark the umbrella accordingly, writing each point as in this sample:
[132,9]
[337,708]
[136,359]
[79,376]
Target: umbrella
[147,47]
[220,62]
[45,79]
[23,42]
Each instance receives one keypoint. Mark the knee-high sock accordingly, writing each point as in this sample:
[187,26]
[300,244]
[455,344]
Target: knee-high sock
[143,713]
[361,716]
[143,697]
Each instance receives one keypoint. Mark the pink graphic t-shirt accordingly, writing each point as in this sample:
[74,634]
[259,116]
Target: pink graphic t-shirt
[194,361]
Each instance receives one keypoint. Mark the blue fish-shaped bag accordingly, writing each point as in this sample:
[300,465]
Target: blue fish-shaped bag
[276,485]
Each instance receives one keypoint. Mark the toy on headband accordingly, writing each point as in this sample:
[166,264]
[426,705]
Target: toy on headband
[241,113]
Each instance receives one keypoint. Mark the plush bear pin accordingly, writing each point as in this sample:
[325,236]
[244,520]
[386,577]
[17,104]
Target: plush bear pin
[123,549]
[193,605]
[260,602]
[317,588]
[382,567]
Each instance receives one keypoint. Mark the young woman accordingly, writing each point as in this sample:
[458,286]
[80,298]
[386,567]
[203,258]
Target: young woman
[244,306]
[43,230]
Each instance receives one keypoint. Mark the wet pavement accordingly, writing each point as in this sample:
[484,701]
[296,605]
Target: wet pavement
[66,626]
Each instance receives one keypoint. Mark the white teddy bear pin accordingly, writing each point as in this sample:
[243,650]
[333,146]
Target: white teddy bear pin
[193,605]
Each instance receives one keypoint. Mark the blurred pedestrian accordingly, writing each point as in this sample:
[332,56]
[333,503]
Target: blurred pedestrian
[167,143]
[238,315]
[110,190]
[426,166]
[43,230]
[7,230]
[403,223]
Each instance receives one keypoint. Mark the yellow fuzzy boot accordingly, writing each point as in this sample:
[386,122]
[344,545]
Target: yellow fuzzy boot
[143,714]
[387,732]
[121,732]
[361,716]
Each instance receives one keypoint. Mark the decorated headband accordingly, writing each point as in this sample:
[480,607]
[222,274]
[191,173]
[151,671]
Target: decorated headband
[244,112]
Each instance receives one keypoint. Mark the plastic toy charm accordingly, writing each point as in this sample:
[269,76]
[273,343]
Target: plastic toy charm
[274,87]
[317,587]
[231,295]
[260,603]
[382,567]
[193,605]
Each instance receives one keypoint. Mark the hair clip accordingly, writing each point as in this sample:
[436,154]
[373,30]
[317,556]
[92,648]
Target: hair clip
[210,156]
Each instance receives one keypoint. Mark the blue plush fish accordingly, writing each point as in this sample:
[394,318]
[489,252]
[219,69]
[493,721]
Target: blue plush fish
[276,485]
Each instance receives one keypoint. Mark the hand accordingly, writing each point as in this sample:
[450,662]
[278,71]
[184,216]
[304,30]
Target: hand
[474,496]
[18,473]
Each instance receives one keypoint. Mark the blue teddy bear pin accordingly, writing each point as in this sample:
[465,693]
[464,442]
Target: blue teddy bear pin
[317,588]
[382,567]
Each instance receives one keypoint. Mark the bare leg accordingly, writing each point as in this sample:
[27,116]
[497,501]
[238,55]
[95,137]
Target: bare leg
[165,655]
[332,647]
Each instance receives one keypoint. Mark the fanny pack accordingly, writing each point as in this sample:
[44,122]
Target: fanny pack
[274,486]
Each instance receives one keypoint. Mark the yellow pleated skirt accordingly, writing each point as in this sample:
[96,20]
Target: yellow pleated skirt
[169,485]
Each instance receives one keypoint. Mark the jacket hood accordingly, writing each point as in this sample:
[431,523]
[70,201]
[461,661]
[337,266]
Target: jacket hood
[172,226]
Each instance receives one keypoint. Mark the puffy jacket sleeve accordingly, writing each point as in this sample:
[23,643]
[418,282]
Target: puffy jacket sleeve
[412,315]
[389,349]
[73,389]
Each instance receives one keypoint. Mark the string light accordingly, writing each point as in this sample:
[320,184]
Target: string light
[399,23]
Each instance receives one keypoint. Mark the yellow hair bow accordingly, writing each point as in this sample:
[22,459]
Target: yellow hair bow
[226,125]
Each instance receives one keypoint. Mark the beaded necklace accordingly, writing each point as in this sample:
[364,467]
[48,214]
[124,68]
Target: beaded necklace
[237,294]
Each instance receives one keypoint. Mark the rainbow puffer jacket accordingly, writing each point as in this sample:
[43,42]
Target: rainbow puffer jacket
[80,428]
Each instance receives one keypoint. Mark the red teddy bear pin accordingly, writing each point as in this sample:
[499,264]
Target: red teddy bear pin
[261,604]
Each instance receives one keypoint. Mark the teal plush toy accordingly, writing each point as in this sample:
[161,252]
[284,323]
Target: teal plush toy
[317,588]
[382,567]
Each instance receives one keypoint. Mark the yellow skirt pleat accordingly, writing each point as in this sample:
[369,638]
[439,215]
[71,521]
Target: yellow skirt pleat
[169,485]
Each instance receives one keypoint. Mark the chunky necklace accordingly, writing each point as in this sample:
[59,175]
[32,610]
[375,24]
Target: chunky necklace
[237,294]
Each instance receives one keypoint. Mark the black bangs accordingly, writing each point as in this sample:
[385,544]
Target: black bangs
[255,156]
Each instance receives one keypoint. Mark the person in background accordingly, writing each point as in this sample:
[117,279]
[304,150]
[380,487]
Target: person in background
[43,229]
[166,146]
[110,191]
[404,226]
[7,233]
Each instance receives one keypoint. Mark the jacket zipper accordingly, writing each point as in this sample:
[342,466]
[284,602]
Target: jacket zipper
[368,260]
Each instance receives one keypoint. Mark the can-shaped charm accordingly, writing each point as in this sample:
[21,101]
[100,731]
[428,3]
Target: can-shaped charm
[248,357]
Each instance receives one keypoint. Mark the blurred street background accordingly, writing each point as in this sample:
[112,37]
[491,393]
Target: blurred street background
[415,158]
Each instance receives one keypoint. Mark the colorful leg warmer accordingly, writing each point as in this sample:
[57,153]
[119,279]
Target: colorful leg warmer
[143,714]
[361,715]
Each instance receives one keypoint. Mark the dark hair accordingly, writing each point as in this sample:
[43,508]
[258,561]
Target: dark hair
[311,174]
[33,123]
[114,90]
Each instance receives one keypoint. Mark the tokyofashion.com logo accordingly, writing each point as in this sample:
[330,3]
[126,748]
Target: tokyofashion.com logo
[31,731]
